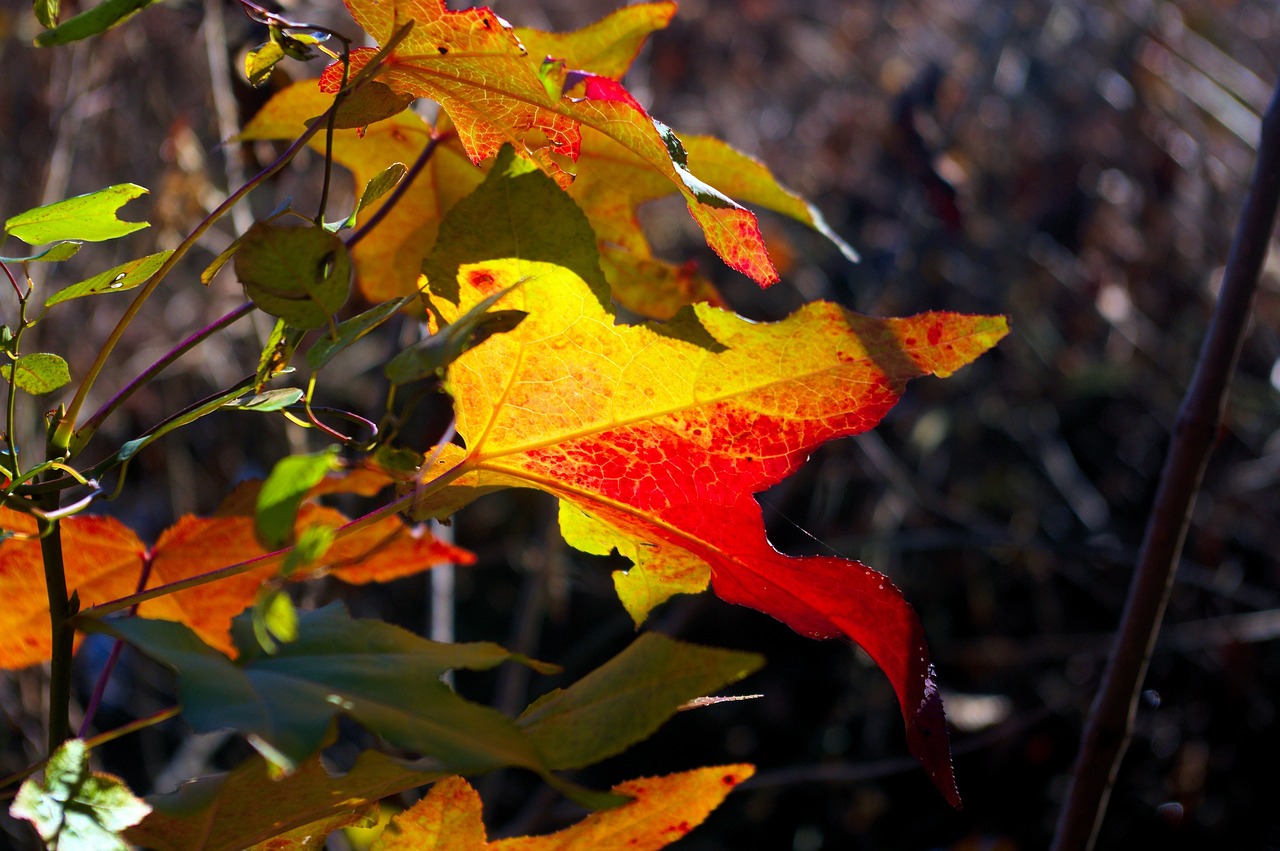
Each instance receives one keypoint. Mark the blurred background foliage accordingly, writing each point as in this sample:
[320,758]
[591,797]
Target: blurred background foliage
[1077,166]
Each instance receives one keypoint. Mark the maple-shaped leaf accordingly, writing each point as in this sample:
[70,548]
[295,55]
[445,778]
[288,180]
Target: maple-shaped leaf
[104,559]
[656,438]
[252,804]
[662,811]
[389,258]
[472,64]
[476,68]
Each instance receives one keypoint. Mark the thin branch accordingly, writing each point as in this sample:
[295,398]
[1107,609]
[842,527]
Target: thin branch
[91,424]
[1110,723]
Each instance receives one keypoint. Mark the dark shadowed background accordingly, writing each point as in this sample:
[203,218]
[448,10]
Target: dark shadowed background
[1075,166]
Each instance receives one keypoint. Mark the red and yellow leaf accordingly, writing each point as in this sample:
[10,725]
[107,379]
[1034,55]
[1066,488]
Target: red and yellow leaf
[663,811]
[477,69]
[655,445]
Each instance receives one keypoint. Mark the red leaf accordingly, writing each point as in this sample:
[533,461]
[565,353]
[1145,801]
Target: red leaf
[656,443]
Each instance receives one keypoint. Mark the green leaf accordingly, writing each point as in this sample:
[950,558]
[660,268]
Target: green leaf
[46,12]
[88,218]
[371,103]
[299,274]
[628,698]
[313,542]
[126,276]
[351,330]
[518,212]
[100,18]
[276,354]
[268,401]
[283,492]
[380,184]
[74,809]
[274,618]
[53,254]
[382,676]
[251,804]
[261,61]
[434,354]
[210,271]
[37,373]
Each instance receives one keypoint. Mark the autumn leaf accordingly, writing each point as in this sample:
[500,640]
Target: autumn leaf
[251,804]
[663,810]
[655,446]
[104,559]
[606,47]
[473,64]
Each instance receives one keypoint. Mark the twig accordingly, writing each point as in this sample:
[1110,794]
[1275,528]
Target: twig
[1110,723]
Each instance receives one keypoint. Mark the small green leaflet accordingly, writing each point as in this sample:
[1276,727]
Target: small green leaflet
[74,809]
[54,253]
[299,274]
[267,401]
[90,22]
[433,355]
[313,542]
[88,218]
[277,353]
[37,373]
[46,12]
[351,330]
[126,276]
[275,620]
[261,61]
[283,492]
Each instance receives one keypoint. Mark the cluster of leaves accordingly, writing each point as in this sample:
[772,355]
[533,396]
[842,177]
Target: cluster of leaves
[510,226]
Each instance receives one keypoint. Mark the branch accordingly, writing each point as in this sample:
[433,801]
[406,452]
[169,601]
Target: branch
[1110,723]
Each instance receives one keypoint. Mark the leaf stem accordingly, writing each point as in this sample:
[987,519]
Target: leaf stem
[328,139]
[91,425]
[93,742]
[1109,726]
[410,176]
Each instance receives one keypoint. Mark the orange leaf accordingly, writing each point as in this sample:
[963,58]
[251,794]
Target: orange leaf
[663,811]
[102,559]
[480,73]
[379,553]
[447,819]
[656,443]
[389,259]
[472,64]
